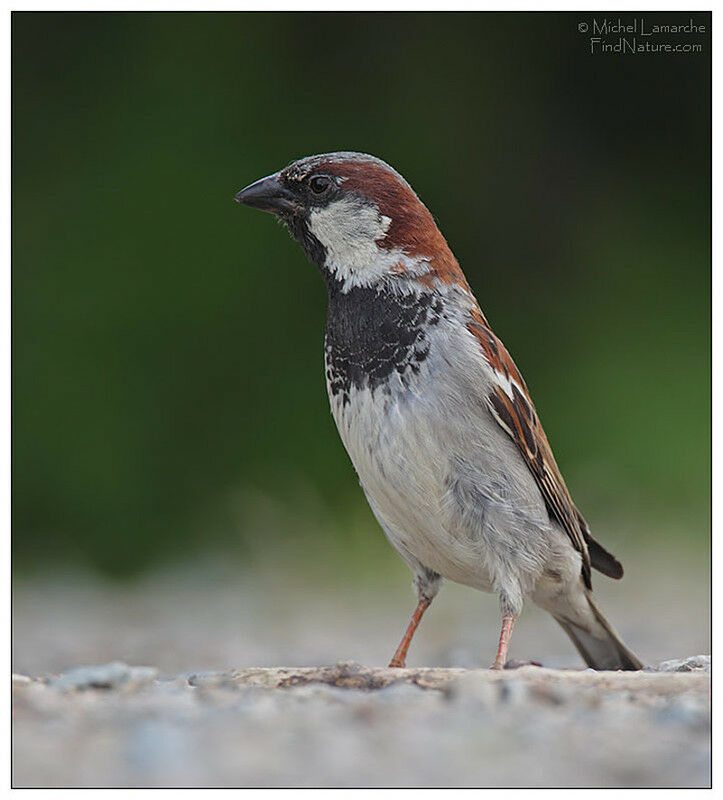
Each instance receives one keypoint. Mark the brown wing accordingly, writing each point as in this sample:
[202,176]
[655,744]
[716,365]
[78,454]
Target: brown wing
[511,405]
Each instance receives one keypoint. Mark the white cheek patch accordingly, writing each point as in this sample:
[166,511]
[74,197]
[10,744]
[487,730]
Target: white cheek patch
[349,231]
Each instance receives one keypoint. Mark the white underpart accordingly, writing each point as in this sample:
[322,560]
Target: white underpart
[349,229]
[445,481]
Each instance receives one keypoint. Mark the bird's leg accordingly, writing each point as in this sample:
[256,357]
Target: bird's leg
[400,657]
[508,622]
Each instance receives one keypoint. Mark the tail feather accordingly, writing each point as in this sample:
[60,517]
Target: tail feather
[602,560]
[598,643]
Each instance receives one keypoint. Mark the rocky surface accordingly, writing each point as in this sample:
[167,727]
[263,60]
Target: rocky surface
[346,725]
[211,711]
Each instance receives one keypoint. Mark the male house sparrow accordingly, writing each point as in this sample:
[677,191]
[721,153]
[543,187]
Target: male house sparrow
[434,414]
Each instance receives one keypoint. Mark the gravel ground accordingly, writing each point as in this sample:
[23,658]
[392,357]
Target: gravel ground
[203,713]
[349,726]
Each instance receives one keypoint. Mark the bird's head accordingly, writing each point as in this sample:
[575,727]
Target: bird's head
[358,219]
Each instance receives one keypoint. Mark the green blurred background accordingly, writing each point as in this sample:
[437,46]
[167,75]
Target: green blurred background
[168,391]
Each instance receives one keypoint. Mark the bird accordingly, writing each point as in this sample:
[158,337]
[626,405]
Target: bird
[434,415]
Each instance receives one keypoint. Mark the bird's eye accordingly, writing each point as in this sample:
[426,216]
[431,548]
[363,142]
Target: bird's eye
[319,184]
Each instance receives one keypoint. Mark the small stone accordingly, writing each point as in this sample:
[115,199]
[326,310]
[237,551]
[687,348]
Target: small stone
[208,680]
[103,676]
[699,663]
[516,663]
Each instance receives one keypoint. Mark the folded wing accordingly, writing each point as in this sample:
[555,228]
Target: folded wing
[511,405]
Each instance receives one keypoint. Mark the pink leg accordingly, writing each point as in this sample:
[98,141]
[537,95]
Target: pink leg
[400,657]
[508,622]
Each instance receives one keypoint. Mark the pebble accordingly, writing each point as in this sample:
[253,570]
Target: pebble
[103,676]
[519,728]
[690,664]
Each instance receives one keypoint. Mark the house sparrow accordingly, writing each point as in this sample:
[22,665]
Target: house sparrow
[435,416]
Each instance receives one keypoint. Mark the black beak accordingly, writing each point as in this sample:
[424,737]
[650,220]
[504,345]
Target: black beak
[268,194]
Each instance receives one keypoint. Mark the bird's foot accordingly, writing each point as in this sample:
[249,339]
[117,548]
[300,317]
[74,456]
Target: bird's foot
[508,622]
[399,659]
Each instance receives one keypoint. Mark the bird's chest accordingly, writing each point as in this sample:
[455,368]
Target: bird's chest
[377,352]
[382,360]
[407,397]
[376,339]
[404,448]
